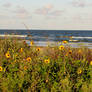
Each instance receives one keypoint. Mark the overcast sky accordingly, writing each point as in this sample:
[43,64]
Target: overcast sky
[46,14]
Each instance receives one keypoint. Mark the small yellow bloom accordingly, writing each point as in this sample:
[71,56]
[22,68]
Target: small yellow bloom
[25,67]
[61,47]
[79,71]
[47,60]
[1,68]
[90,62]
[21,50]
[16,55]
[46,81]
[65,42]
[70,52]
[38,49]
[66,54]
[7,55]
[79,51]
[29,59]
[32,42]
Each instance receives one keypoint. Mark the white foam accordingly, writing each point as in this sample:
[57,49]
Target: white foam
[82,37]
[3,35]
[52,43]
[73,40]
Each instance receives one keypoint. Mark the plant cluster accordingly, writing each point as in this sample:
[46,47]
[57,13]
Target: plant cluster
[25,68]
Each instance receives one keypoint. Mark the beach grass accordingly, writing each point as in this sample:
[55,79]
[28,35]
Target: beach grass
[25,68]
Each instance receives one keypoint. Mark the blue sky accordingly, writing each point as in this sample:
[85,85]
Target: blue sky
[46,14]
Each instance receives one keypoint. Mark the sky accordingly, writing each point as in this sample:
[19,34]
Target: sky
[46,14]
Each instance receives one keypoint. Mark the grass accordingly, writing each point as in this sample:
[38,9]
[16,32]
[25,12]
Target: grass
[25,68]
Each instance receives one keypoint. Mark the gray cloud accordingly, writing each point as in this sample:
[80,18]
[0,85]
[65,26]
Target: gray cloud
[7,5]
[79,3]
[21,12]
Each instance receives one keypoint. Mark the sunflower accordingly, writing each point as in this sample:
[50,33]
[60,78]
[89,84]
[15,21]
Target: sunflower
[47,60]
[7,55]
[29,59]
[90,62]
[1,68]
[21,50]
[79,71]
[25,67]
[70,52]
[65,42]
[31,43]
[79,51]
[66,54]
[38,49]
[61,47]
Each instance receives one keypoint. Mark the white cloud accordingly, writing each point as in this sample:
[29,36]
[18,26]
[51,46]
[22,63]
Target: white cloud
[49,11]
[44,10]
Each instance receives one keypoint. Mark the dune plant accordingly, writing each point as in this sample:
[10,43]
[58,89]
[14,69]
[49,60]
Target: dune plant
[25,68]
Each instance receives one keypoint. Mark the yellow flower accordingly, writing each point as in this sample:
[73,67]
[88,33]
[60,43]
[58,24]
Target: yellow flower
[79,51]
[25,67]
[66,54]
[7,55]
[65,42]
[38,49]
[70,52]
[29,59]
[32,42]
[47,60]
[16,55]
[1,68]
[90,62]
[21,50]
[61,47]
[46,81]
[79,71]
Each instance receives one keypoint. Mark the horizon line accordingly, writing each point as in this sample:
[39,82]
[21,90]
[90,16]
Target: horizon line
[52,29]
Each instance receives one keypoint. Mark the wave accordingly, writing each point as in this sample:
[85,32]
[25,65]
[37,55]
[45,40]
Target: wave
[82,37]
[73,40]
[54,43]
[8,35]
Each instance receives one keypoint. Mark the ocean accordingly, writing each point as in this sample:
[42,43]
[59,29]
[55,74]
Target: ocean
[41,37]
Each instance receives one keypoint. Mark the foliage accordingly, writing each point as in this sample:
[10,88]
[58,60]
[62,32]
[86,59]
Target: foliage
[44,69]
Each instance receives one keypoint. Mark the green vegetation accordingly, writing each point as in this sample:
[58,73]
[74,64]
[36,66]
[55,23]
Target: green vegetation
[25,68]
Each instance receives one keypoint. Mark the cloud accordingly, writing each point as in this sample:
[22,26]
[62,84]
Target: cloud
[44,10]
[56,12]
[21,12]
[49,6]
[7,5]
[49,11]
[78,3]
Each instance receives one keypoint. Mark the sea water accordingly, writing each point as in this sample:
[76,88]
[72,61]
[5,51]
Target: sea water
[43,37]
